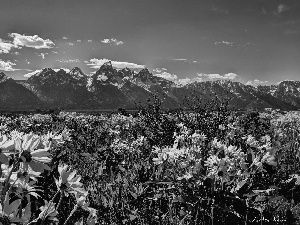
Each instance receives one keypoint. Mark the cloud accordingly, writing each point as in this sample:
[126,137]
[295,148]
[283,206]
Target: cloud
[291,32]
[282,8]
[158,70]
[174,78]
[5,46]
[54,52]
[78,40]
[219,10]
[7,66]
[228,76]
[256,82]
[31,41]
[32,73]
[224,42]
[97,63]
[112,41]
[185,81]
[167,76]
[186,60]
[90,40]
[15,53]
[70,43]
[43,55]
[65,38]
[68,60]
[180,59]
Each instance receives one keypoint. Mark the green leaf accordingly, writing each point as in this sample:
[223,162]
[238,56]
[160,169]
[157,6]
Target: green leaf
[260,198]
[132,217]
[4,159]
[178,199]
[275,198]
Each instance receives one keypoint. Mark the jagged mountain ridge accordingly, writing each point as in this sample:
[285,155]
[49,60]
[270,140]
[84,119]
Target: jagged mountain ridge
[14,95]
[109,88]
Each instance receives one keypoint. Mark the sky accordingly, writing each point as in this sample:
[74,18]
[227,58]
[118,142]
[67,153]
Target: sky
[255,42]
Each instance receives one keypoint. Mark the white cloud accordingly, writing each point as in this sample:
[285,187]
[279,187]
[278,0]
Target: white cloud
[5,46]
[43,55]
[174,78]
[78,40]
[228,76]
[54,52]
[282,8]
[70,43]
[167,76]
[106,41]
[158,70]
[97,63]
[224,42]
[90,40]
[15,53]
[219,10]
[7,66]
[185,81]
[256,82]
[31,41]
[180,59]
[32,73]
[65,38]
[186,60]
[291,32]
[68,60]
[112,41]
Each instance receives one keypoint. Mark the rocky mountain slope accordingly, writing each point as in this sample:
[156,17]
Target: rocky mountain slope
[109,88]
[14,95]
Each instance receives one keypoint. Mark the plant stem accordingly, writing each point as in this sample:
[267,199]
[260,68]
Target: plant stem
[12,185]
[33,221]
[74,209]
[50,205]
[60,199]
[7,181]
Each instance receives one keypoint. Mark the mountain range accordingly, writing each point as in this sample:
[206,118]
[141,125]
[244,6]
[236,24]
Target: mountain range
[109,88]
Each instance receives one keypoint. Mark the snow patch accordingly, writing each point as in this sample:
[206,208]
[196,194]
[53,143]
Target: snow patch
[102,77]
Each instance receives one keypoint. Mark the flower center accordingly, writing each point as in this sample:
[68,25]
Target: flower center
[27,155]
[63,186]
[22,174]
[4,220]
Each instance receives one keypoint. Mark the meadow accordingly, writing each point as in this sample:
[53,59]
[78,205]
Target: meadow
[209,166]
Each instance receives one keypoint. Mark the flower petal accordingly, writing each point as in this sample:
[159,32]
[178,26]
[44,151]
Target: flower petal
[42,159]
[40,153]
[71,175]
[8,145]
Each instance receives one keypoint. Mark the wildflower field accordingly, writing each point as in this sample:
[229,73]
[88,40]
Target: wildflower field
[211,166]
